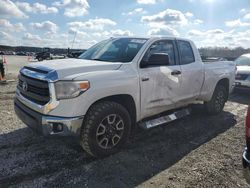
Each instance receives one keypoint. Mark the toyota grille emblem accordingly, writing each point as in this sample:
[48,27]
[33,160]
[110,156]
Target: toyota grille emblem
[25,86]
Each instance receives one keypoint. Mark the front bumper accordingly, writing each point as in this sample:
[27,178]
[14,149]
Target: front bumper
[48,125]
[242,85]
[246,165]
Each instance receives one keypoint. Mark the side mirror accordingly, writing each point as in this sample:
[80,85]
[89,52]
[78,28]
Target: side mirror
[156,59]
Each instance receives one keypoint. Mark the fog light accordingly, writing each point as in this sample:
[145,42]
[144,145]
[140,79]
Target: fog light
[57,127]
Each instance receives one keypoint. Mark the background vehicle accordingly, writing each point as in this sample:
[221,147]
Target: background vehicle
[76,54]
[246,153]
[30,53]
[242,79]
[21,53]
[116,85]
[213,59]
[43,56]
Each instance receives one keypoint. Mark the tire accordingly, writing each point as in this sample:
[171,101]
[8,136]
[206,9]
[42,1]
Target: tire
[217,103]
[104,123]
[40,59]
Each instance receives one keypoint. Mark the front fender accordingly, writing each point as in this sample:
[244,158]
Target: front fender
[102,84]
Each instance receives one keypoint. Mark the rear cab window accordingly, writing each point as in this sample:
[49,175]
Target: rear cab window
[186,52]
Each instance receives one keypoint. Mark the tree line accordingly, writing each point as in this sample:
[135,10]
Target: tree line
[223,52]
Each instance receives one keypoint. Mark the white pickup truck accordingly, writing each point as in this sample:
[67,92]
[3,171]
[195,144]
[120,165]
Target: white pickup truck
[116,85]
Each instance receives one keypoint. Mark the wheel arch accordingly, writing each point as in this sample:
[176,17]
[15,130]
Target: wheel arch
[216,103]
[126,101]
[224,82]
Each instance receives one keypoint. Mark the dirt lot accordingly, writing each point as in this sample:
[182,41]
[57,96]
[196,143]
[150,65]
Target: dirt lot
[14,63]
[197,151]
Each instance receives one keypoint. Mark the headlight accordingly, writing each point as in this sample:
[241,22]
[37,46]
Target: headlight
[70,89]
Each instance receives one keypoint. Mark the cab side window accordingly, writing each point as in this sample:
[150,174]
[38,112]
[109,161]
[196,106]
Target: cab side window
[186,53]
[161,47]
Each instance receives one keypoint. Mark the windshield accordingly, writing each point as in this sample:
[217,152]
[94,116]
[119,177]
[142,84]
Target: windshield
[243,61]
[114,50]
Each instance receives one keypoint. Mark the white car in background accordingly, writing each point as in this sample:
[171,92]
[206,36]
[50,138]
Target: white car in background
[242,79]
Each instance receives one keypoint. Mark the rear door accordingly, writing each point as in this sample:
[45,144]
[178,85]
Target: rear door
[159,85]
[191,72]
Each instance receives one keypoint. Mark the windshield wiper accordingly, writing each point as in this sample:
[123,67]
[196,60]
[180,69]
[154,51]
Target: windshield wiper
[97,59]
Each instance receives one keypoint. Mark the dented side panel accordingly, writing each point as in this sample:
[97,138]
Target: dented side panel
[161,92]
[214,72]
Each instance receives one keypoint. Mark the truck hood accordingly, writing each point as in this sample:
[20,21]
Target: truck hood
[243,69]
[67,68]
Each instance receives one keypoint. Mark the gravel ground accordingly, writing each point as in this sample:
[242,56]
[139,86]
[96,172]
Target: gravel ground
[196,151]
[14,63]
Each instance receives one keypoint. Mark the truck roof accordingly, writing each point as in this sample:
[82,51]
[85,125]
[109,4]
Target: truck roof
[155,37]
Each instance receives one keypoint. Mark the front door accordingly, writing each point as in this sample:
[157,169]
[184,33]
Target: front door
[160,85]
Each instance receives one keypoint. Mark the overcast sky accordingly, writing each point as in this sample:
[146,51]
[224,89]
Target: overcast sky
[56,23]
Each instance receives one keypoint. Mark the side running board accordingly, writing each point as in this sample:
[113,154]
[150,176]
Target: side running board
[165,119]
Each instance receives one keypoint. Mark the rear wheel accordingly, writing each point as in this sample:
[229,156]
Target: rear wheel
[217,103]
[106,129]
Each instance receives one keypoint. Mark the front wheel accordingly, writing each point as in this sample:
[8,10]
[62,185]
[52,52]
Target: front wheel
[217,103]
[106,129]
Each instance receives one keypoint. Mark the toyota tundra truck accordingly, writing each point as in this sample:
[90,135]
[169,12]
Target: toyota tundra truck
[117,85]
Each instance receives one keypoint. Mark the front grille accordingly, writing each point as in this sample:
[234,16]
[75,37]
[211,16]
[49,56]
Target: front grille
[241,76]
[36,90]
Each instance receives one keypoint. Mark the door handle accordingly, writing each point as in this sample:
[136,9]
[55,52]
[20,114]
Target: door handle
[175,72]
[145,79]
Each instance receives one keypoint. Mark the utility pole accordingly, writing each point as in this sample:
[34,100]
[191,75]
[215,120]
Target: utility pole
[74,40]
